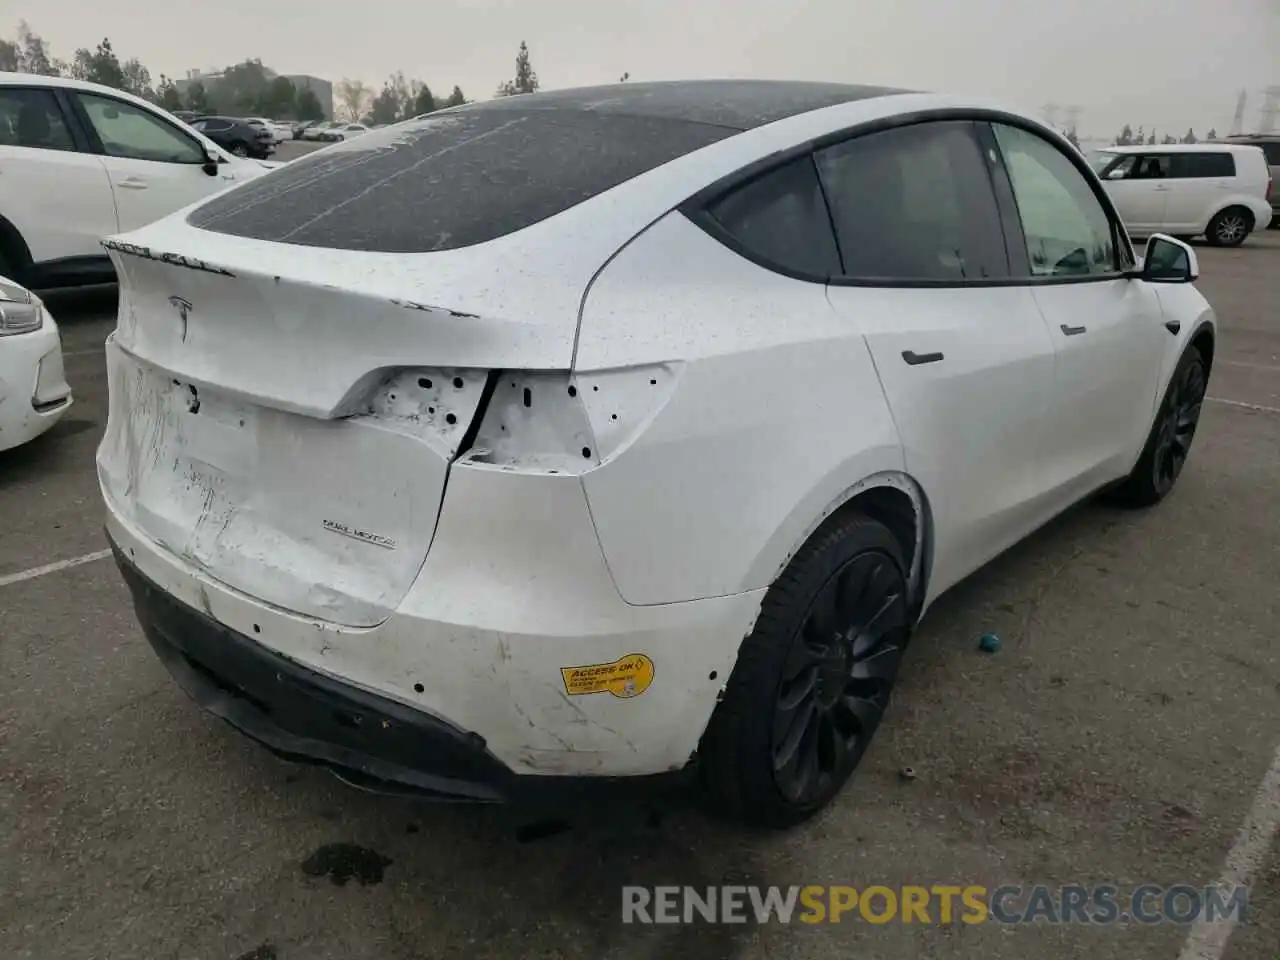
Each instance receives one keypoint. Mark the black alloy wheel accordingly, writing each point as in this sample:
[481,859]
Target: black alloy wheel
[836,680]
[812,679]
[1179,419]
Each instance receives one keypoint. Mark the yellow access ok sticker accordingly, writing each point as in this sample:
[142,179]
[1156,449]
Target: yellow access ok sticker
[627,676]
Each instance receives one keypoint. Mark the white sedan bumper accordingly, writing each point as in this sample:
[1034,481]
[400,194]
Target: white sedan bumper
[34,393]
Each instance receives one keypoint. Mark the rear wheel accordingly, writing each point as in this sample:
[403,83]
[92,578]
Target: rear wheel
[240,149]
[1229,227]
[1169,443]
[812,680]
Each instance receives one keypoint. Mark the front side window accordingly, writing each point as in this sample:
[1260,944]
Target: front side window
[1190,166]
[137,134]
[781,219]
[32,118]
[914,203]
[1066,227]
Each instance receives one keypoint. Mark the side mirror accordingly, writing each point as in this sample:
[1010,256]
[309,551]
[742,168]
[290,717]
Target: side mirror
[1169,261]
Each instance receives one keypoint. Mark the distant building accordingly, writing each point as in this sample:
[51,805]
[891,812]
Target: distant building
[323,89]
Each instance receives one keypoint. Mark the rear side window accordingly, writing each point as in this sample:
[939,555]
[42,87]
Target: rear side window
[914,203]
[450,179]
[1272,152]
[32,118]
[1191,165]
[781,219]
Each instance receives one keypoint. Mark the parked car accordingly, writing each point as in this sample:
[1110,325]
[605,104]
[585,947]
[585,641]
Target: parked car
[342,131]
[186,116]
[34,393]
[302,126]
[318,130]
[79,161]
[283,130]
[779,361]
[237,136]
[1269,143]
[1223,191]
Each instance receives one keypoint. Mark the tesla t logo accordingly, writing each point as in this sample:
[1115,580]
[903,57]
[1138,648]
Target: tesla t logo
[184,308]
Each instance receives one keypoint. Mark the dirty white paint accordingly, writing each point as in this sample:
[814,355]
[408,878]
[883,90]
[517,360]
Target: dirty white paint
[23,575]
[329,518]
[1245,860]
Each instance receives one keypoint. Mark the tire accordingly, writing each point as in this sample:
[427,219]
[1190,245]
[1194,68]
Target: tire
[1169,442]
[240,150]
[812,682]
[1229,227]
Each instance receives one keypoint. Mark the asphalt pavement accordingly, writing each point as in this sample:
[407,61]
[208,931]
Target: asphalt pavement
[1119,736]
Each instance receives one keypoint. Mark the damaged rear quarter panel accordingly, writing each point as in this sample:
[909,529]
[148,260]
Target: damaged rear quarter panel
[777,410]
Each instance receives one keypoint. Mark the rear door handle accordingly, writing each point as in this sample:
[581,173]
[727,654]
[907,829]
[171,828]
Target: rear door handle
[132,183]
[915,359]
[1072,331]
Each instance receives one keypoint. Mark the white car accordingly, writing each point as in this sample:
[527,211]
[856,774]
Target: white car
[317,130]
[343,131]
[34,393]
[1220,190]
[79,162]
[486,461]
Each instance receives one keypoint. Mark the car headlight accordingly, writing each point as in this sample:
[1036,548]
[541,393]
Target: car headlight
[20,311]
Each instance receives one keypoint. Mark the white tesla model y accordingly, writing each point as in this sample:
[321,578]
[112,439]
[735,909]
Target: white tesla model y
[623,431]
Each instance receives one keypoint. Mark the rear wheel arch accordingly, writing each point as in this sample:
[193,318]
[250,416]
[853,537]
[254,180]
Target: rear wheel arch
[898,502]
[15,255]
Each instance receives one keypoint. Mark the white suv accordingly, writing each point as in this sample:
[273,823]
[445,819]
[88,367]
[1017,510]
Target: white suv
[1220,190]
[79,162]
[647,461]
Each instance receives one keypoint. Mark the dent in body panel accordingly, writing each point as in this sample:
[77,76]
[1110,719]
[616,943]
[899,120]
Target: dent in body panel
[777,409]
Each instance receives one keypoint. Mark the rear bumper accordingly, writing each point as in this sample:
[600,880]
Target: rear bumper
[513,592]
[304,716]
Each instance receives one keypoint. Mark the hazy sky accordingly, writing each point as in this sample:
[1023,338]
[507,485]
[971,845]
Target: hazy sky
[1168,63]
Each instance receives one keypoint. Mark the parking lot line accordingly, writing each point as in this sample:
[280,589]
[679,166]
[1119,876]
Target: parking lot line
[1274,368]
[34,572]
[1208,939]
[1248,406]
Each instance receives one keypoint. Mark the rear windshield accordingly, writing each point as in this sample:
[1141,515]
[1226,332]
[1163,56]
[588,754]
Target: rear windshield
[451,179]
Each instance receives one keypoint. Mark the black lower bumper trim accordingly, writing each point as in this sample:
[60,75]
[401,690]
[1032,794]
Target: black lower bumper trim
[367,740]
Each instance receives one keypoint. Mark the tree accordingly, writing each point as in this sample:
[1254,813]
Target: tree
[1190,137]
[456,99]
[1073,138]
[137,79]
[167,94]
[624,78]
[526,79]
[100,66]
[1126,136]
[1168,139]
[387,105]
[353,97]
[1142,137]
[423,103]
[1213,133]
[278,99]
[197,97]
[34,53]
[10,56]
[308,105]
[1151,139]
